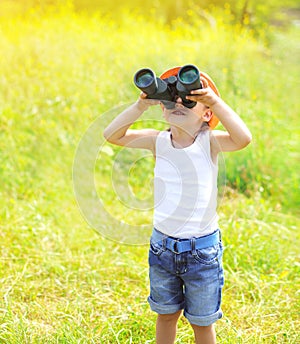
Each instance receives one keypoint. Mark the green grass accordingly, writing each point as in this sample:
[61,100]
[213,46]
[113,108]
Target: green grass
[60,282]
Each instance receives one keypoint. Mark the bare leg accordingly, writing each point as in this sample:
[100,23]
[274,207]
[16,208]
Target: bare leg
[205,334]
[166,326]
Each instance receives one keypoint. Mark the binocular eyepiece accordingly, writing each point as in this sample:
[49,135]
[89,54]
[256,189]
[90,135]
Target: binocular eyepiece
[169,89]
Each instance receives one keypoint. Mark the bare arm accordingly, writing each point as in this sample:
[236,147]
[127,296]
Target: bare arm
[118,131]
[237,135]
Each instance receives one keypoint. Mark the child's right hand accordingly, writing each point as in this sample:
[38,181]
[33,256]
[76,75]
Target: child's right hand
[144,102]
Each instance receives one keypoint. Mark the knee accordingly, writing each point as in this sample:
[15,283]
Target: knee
[169,318]
[205,334]
[203,329]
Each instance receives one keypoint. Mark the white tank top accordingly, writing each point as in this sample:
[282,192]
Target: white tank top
[185,188]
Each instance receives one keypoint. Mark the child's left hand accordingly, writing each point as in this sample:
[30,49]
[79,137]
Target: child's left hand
[204,95]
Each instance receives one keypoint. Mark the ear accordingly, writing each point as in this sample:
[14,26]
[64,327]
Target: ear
[207,115]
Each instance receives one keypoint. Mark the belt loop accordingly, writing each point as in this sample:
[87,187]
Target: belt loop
[220,235]
[164,242]
[176,249]
[193,246]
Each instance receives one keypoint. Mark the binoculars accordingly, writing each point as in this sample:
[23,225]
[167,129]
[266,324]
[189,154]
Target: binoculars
[169,89]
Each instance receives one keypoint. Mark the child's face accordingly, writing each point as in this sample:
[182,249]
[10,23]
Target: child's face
[185,117]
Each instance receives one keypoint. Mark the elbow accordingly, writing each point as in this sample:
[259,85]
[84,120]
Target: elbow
[243,141]
[107,135]
[247,140]
[111,137]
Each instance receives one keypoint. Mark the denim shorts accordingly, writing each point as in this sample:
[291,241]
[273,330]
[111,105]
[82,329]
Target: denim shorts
[191,281]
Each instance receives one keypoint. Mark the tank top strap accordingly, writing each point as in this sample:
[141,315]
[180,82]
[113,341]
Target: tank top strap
[162,141]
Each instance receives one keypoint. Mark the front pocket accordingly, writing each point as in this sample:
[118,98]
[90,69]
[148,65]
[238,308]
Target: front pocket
[208,255]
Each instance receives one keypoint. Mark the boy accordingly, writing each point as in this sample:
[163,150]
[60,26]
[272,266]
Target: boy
[185,255]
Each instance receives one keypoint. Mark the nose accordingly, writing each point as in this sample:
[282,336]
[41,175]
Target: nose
[178,103]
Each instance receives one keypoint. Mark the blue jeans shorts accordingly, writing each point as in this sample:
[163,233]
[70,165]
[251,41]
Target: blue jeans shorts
[191,281]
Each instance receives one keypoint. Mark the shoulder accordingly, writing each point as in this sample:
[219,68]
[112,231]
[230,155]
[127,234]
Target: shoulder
[221,141]
[139,138]
[215,143]
[144,138]
[216,134]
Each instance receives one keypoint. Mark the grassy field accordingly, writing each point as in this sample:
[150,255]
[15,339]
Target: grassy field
[62,282]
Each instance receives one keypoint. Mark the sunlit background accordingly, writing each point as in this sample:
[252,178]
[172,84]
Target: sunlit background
[65,63]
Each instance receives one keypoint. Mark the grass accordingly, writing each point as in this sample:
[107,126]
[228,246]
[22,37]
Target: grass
[60,282]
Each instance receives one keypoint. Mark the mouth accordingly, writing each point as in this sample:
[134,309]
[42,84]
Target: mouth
[178,113]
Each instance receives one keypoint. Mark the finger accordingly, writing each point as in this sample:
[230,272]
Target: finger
[204,82]
[143,95]
[194,97]
[200,92]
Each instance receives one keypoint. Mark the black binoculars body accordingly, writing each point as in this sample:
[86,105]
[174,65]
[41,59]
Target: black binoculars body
[169,89]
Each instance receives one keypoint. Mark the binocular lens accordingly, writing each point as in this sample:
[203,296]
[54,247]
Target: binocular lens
[169,89]
[188,75]
[144,78]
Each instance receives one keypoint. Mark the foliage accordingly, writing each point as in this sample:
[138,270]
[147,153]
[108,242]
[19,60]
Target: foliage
[256,15]
[63,284]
